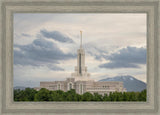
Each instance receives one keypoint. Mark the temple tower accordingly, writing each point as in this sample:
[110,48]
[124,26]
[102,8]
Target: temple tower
[81,69]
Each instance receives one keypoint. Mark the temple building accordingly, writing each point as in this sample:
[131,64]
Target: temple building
[80,80]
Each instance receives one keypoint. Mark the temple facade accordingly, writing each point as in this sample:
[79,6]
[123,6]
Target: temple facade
[80,80]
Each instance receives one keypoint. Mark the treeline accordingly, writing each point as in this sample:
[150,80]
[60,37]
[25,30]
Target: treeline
[30,94]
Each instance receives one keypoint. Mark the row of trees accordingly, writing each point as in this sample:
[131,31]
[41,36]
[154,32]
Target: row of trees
[30,94]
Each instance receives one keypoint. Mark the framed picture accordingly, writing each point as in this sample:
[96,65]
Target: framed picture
[79,57]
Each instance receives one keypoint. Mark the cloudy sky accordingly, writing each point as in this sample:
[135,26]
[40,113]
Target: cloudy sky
[45,46]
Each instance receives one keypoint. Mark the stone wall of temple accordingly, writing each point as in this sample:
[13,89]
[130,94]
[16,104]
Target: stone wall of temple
[84,86]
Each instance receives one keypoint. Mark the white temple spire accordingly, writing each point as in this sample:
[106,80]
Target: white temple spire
[81,39]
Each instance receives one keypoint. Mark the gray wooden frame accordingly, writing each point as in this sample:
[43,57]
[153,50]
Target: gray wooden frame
[9,7]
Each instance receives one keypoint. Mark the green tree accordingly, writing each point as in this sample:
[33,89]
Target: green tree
[106,97]
[42,95]
[132,96]
[97,97]
[17,94]
[29,93]
[142,95]
[71,95]
[125,96]
[87,97]
[24,95]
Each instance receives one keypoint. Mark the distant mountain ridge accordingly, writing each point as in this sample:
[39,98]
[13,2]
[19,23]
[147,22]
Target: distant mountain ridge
[20,87]
[129,82]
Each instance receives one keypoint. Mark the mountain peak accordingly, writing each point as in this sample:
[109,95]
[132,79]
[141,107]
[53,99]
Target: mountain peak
[129,82]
